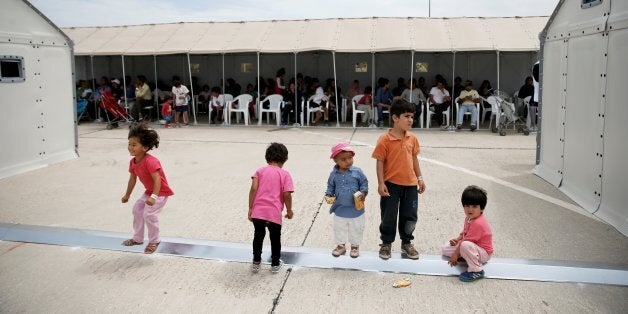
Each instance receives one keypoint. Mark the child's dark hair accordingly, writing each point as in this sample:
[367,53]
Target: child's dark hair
[474,195]
[401,106]
[216,90]
[276,152]
[148,137]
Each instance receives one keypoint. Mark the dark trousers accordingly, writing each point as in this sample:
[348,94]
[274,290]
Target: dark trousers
[438,112]
[285,113]
[403,201]
[274,231]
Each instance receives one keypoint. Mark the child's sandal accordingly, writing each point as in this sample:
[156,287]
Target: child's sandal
[151,248]
[131,242]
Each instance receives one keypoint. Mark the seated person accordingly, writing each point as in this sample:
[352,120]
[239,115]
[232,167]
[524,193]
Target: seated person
[467,100]
[204,97]
[366,104]
[383,99]
[289,98]
[217,105]
[414,96]
[439,101]
[319,100]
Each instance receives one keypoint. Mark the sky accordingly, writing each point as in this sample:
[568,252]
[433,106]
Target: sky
[78,13]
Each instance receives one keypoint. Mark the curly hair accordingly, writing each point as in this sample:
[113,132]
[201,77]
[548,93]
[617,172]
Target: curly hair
[276,152]
[147,137]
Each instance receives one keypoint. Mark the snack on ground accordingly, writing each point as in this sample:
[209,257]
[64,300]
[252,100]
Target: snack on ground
[403,282]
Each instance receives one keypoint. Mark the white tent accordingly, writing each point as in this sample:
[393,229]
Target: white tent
[584,68]
[36,91]
[498,49]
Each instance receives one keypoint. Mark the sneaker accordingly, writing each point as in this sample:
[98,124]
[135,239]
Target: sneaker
[473,127]
[409,251]
[384,251]
[255,267]
[339,250]
[380,124]
[469,276]
[355,251]
[459,126]
[275,269]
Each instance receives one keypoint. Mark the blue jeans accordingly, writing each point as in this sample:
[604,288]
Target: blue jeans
[468,108]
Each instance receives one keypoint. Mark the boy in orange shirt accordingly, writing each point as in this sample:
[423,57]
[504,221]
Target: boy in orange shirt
[399,179]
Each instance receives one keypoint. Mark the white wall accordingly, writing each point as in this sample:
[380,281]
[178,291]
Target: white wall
[583,137]
[39,113]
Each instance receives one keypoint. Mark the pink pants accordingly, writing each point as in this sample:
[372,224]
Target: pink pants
[146,214]
[474,255]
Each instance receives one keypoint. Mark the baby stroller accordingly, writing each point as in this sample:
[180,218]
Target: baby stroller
[508,113]
[111,106]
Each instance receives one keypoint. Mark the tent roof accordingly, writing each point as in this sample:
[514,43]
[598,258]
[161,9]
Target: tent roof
[340,35]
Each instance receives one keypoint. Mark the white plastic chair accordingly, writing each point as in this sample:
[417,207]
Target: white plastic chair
[242,101]
[228,98]
[305,107]
[494,110]
[477,106]
[446,113]
[490,109]
[275,103]
[354,107]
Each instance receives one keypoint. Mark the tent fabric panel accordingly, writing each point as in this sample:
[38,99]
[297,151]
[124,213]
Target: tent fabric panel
[183,38]
[153,40]
[212,41]
[318,35]
[247,37]
[430,35]
[97,43]
[125,39]
[471,34]
[282,37]
[355,35]
[401,32]
[512,36]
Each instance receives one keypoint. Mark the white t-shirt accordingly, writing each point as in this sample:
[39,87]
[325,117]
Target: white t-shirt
[218,101]
[438,95]
[176,92]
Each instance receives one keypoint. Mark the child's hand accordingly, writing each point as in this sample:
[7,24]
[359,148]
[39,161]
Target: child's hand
[150,201]
[289,214]
[453,242]
[421,187]
[382,189]
[453,260]
[125,199]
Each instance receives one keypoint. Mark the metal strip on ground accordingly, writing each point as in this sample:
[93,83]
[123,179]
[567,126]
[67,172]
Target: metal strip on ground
[497,268]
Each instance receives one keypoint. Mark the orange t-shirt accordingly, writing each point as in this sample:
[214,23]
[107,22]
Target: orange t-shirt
[398,157]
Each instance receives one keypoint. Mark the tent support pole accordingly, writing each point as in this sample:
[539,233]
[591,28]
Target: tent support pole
[155,74]
[373,81]
[192,89]
[296,93]
[333,57]
[498,70]
[91,58]
[411,73]
[451,127]
[126,105]
[257,101]
[223,75]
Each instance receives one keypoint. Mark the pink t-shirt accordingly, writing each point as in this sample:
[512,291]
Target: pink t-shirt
[143,170]
[268,203]
[479,232]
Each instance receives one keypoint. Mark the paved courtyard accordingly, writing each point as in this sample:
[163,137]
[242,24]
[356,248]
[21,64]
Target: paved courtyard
[209,169]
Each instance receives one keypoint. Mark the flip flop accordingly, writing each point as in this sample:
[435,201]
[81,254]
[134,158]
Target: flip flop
[131,242]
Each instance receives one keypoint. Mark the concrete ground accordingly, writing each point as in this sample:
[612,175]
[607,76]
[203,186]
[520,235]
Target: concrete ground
[209,169]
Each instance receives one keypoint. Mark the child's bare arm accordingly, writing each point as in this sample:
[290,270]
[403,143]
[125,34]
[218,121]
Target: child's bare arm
[417,172]
[156,187]
[287,200]
[381,186]
[129,187]
[252,192]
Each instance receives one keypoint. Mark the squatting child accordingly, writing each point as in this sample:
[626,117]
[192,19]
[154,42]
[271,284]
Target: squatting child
[347,188]
[475,241]
[271,189]
[398,180]
[148,169]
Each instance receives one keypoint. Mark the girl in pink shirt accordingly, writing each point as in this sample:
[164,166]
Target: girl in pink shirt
[271,189]
[148,169]
[475,242]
